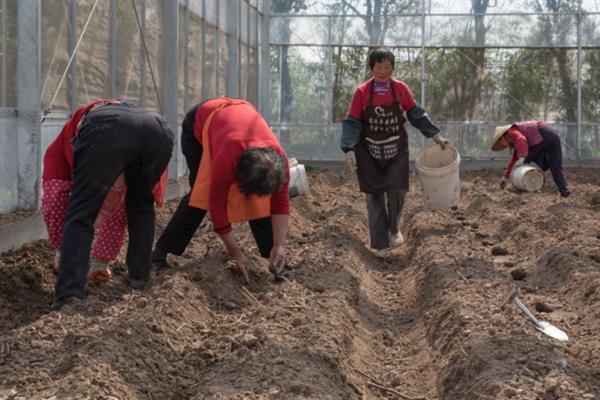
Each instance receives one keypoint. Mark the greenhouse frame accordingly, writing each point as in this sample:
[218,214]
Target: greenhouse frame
[298,61]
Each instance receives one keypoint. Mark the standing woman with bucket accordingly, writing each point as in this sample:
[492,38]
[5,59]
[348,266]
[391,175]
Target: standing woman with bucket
[532,141]
[376,146]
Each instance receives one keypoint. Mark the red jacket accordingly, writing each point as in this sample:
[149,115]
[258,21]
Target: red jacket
[360,99]
[56,185]
[521,141]
[233,130]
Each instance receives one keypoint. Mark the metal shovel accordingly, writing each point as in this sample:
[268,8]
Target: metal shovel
[542,326]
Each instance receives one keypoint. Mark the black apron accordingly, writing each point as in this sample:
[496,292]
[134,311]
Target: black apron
[382,153]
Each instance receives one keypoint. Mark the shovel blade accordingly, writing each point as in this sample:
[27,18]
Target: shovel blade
[552,331]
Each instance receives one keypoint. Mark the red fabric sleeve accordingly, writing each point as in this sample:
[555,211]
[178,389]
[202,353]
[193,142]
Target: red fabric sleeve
[510,165]
[357,104]
[56,165]
[222,177]
[519,142]
[109,236]
[55,201]
[405,95]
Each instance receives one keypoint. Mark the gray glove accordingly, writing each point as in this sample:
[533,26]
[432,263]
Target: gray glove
[351,161]
[440,140]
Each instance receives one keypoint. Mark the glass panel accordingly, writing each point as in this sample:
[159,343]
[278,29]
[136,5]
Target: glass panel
[525,30]
[182,61]
[195,7]
[222,64]
[153,42]
[8,54]
[211,11]
[244,70]
[254,26]
[93,62]
[253,75]
[465,7]
[223,7]
[590,30]
[275,82]
[209,82]
[590,5]
[55,50]
[299,30]
[195,49]
[244,22]
[129,49]
[308,98]
[311,142]
[590,89]
[590,140]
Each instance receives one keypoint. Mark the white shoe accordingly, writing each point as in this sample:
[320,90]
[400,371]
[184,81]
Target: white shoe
[396,239]
[379,253]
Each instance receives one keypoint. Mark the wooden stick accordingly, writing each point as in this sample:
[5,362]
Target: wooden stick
[462,276]
[510,297]
[253,298]
[397,393]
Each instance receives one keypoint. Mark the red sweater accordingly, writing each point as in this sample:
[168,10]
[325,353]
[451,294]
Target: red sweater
[233,130]
[360,99]
[520,147]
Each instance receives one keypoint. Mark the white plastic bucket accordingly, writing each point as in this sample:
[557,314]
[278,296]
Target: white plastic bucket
[298,181]
[527,177]
[438,172]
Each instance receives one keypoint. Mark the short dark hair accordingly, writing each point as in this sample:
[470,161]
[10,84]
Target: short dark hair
[260,171]
[378,55]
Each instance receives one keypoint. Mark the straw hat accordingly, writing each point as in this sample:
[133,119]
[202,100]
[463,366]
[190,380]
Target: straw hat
[500,130]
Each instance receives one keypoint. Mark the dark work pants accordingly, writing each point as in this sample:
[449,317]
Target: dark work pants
[382,220]
[111,140]
[548,155]
[186,219]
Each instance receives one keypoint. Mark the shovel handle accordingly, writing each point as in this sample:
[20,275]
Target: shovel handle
[527,313]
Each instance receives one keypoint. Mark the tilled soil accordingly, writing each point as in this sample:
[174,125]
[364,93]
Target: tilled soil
[425,323]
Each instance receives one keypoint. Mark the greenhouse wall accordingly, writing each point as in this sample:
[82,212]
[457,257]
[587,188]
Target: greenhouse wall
[166,55]
[472,64]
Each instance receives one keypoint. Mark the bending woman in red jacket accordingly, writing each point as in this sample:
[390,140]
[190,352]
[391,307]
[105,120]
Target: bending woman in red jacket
[532,141]
[103,172]
[238,172]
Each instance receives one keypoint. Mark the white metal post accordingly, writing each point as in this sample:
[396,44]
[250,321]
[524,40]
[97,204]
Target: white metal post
[170,77]
[28,102]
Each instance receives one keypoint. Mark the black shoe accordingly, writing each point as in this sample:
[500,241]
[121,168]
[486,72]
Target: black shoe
[565,194]
[159,258]
[57,304]
[138,284]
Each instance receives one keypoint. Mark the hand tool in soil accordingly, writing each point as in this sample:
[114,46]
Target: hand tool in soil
[542,326]
[282,275]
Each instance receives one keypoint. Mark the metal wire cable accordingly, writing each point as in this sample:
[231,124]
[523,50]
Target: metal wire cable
[147,56]
[62,78]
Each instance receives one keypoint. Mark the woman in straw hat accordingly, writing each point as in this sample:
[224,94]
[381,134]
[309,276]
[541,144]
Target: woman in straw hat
[532,141]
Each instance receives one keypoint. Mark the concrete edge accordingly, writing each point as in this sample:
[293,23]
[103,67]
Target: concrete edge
[15,234]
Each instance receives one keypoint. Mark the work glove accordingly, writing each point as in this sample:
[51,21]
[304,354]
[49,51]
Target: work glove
[503,182]
[351,161]
[520,162]
[442,141]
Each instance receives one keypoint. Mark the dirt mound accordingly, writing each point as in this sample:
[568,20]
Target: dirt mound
[424,323]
